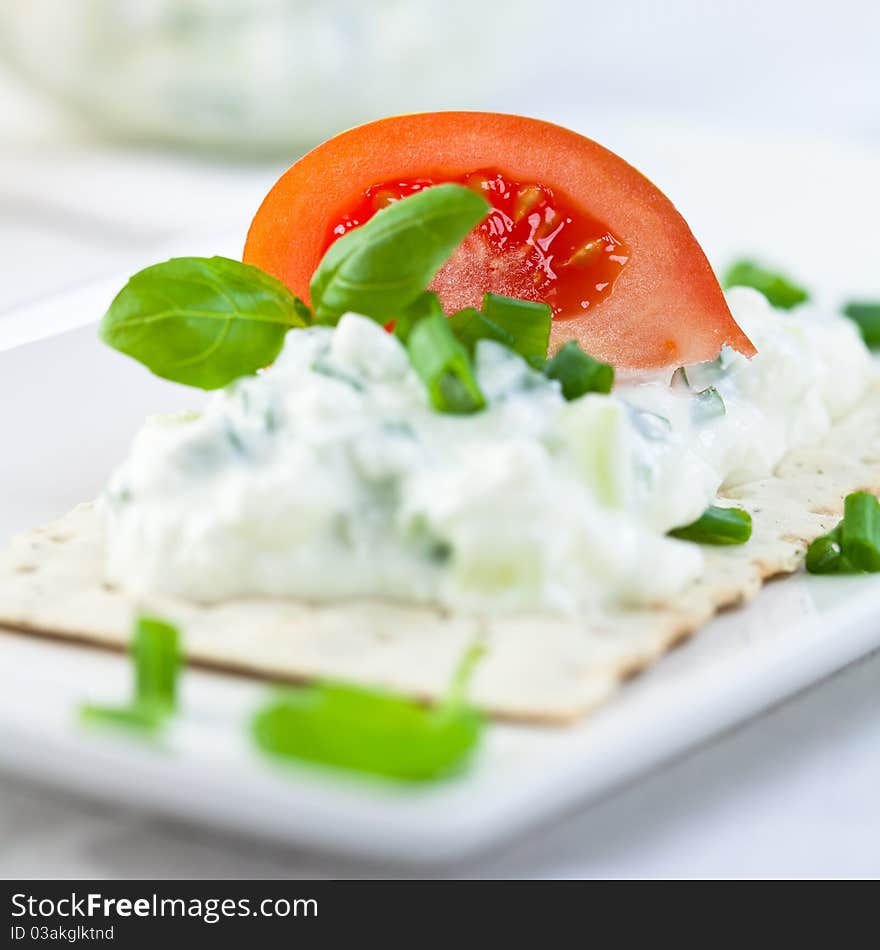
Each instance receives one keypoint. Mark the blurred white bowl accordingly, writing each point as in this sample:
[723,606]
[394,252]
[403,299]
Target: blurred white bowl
[251,75]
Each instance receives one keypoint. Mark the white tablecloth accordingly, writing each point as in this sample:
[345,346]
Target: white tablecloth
[794,792]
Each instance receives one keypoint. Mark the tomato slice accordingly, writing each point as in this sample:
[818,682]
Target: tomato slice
[572,224]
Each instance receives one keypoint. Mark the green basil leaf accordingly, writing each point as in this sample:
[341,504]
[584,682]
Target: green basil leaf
[369,730]
[366,731]
[202,321]
[381,267]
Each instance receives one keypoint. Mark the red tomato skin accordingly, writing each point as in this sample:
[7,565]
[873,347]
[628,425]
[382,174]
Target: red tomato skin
[666,307]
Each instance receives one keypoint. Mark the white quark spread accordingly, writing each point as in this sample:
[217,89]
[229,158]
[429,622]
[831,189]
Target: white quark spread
[329,476]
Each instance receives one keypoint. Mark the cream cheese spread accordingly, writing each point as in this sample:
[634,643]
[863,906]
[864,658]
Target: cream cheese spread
[329,475]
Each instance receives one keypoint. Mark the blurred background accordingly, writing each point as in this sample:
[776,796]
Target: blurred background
[130,126]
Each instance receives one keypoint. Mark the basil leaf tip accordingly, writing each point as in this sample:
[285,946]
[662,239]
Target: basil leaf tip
[202,321]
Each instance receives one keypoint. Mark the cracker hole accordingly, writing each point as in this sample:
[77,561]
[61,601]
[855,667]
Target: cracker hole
[25,568]
[59,538]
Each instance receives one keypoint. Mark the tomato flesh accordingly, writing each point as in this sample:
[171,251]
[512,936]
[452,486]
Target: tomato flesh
[535,244]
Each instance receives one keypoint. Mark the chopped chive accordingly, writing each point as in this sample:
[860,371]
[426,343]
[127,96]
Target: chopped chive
[717,525]
[779,289]
[700,376]
[853,547]
[456,697]
[444,366]
[680,380]
[470,326]
[860,531]
[578,372]
[137,718]
[426,305]
[526,321]
[333,372]
[708,404]
[824,555]
[156,652]
[866,315]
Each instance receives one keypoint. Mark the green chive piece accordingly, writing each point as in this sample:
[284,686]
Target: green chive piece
[717,526]
[456,697]
[860,531]
[824,555]
[866,315]
[578,372]
[527,321]
[780,290]
[700,376]
[470,326]
[372,731]
[853,547]
[156,653]
[427,305]
[680,380]
[444,366]
[708,404]
[146,719]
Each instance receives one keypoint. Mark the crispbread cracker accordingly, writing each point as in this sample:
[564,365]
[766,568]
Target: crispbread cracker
[536,668]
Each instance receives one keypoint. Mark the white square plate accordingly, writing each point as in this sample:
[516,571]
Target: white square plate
[69,408]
